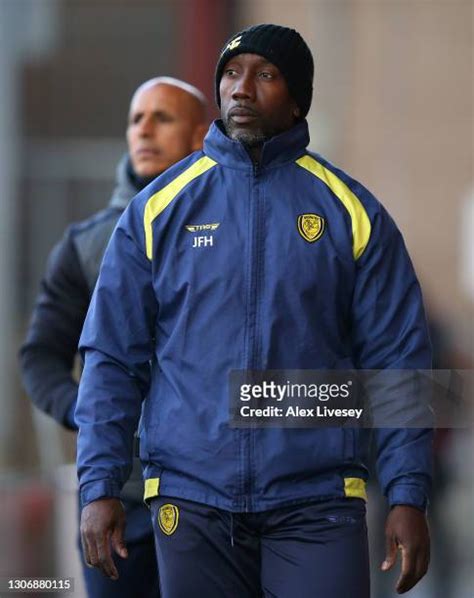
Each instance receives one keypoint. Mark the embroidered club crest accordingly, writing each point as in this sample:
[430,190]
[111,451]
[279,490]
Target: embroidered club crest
[168,517]
[311,227]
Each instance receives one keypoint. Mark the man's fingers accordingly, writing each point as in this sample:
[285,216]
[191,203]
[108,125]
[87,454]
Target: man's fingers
[118,543]
[97,554]
[407,527]
[414,567]
[103,522]
[418,566]
[104,553]
[89,553]
[407,572]
[390,553]
[423,562]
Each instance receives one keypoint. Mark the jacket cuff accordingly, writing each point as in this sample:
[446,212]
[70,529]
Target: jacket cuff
[408,494]
[99,489]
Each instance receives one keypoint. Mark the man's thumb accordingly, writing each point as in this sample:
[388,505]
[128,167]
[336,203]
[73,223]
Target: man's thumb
[390,554]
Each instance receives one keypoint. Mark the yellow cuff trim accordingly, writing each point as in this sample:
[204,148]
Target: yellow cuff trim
[152,488]
[355,488]
[360,221]
[161,199]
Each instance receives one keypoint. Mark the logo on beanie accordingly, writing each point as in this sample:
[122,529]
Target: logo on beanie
[168,517]
[234,43]
[311,227]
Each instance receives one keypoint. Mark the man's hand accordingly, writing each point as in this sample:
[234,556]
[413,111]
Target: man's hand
[102,528]
[406,530]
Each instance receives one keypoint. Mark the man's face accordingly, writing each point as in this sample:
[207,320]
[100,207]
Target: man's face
[255,101]
[163,127]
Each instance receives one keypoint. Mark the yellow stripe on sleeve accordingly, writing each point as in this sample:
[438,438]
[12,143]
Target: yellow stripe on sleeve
[355,488]
[360,221]
[152,488]
[158,202]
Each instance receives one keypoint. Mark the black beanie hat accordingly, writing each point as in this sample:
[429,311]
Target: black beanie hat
[283,47]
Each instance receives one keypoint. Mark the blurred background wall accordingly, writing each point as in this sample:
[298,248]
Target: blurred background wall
[393,106]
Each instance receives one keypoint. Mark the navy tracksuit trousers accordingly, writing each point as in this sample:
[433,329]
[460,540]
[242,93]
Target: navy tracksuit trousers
[314,550]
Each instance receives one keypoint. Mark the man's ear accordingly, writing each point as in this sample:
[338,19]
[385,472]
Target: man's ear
[297,112]
[198,137]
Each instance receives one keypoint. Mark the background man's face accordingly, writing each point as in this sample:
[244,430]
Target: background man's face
[255,101]
[163,127]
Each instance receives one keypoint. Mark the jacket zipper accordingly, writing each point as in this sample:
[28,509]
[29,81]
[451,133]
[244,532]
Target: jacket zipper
[253,358]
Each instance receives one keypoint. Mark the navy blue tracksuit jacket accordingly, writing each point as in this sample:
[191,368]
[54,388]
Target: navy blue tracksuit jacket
[221,264]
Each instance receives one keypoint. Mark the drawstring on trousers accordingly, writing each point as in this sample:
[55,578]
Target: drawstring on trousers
[232,530]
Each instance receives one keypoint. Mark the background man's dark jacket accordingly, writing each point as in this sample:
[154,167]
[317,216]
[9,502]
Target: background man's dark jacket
[48,353]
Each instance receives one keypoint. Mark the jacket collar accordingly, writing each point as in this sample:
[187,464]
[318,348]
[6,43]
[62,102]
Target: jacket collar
[125,189]
[286,147]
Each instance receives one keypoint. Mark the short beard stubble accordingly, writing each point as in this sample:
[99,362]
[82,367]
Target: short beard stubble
[249,138]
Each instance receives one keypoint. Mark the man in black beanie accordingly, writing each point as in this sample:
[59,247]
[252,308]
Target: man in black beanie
[253,254]
[283,48]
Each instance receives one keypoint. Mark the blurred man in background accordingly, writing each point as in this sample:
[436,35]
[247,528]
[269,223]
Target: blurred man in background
[167,121]
[253,254]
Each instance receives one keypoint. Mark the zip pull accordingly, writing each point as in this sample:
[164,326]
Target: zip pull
[256,168]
